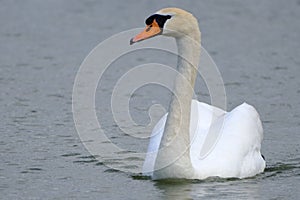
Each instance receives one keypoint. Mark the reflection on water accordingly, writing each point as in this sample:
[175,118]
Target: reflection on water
[210,189]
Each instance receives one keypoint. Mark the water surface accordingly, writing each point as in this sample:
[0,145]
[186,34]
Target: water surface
[254,43]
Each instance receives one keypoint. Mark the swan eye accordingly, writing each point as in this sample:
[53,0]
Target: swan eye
[149,28]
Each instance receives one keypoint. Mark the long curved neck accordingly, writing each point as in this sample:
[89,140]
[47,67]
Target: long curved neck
[175,143]
[178,120]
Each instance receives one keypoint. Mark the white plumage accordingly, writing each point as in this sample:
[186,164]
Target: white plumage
[236,152]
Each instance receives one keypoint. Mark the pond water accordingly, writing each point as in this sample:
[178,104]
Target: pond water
[255,45]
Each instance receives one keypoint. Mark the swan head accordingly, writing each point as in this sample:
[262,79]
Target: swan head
[172,22]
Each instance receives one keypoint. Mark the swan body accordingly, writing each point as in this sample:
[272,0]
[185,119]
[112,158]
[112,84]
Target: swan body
[237,151]
[178,138]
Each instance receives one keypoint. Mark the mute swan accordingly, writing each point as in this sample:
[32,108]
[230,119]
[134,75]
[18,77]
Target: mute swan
[175,143]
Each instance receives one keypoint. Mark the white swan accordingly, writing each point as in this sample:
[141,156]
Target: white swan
[177,139]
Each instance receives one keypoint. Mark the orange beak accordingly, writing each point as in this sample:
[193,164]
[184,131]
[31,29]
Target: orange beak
[150,31]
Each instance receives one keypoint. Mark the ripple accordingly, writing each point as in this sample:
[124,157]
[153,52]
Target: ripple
[99,164]
[112,171]
[35,169]
[70,154]
[282,170]
[31,170]
[84,161]
[280,68]
[280,167]
[140,177]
